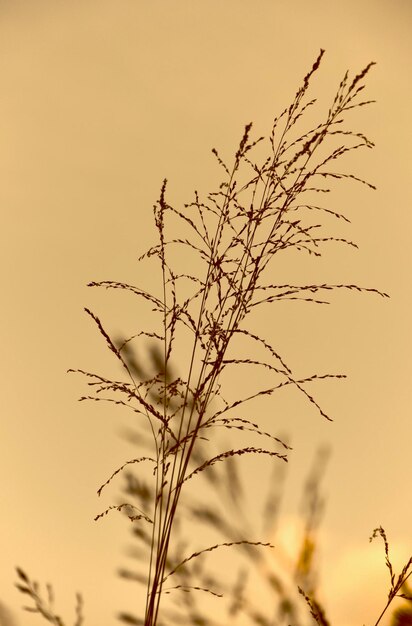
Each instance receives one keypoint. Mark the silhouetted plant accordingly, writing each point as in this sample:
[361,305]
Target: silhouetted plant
[262,208]
[398,588]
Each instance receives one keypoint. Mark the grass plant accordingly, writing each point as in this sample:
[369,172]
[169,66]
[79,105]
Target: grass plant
[215,261]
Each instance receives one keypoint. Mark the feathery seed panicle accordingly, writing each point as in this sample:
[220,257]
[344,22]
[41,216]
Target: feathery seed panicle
[231,238]
[235,234]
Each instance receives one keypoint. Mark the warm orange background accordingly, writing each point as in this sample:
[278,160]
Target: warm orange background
[99,100]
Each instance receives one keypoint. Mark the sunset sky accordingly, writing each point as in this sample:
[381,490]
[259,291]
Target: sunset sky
[100,100]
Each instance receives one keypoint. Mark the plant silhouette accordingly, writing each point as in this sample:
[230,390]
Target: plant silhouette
[216,257]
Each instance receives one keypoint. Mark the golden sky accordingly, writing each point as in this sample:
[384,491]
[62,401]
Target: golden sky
[99,101]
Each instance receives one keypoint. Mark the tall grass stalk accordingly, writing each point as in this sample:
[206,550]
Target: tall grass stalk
[257,212]
[229,240]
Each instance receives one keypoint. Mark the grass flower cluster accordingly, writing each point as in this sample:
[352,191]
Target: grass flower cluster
[229,242]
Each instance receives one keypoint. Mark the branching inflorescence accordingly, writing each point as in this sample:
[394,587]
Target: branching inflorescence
[235,233]
[258,211]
